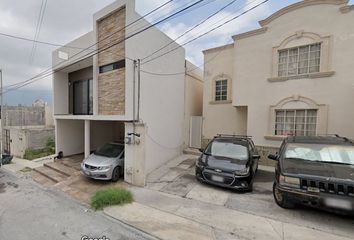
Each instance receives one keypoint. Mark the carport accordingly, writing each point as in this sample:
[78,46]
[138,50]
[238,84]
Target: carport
[82,136]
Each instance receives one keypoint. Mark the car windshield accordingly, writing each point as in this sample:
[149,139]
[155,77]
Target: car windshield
[321,152]
[227,149]
[109,150]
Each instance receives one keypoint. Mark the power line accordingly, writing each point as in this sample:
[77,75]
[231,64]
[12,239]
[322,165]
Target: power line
[83,50]
[40,42]
[40,76]
[198,37]
[191,29]
[38,28]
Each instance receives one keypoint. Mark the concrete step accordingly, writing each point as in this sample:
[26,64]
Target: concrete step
[71,164]
[50,174]
[61,168]
[192,151]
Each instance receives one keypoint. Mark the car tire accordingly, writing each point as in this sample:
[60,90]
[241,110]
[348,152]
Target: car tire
[280,199]
[116,174]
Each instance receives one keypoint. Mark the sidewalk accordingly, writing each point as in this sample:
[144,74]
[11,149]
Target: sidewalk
[18,164]
[174,205]
[171,217]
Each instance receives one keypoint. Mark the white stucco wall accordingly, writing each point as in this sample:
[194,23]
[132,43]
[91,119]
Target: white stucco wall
[253,66]
[251,63]
[218,117]
[193,99]
[69,135]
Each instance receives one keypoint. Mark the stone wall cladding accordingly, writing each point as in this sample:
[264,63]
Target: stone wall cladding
[111,85]
[111,97]
[264,151]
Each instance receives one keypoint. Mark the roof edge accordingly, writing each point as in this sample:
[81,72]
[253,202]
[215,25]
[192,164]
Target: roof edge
[250,33]
[298,5]
[218,48]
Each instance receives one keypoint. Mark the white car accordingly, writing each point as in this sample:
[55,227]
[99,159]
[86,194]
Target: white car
[106,163]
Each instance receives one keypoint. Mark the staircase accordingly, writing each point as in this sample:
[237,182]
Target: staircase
[55,172]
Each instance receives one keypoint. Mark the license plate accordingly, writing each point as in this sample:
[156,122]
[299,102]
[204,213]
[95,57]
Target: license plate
[313,189]
[338,203]
[217,178]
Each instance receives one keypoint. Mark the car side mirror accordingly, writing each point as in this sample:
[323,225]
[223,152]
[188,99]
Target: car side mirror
[274,157]
[256,156]
[201,150]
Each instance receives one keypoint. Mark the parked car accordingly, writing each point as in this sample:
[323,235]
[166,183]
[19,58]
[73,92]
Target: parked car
[106,163]
[228,161]
[315,171]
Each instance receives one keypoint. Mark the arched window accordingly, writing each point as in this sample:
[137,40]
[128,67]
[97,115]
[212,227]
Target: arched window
[298,116]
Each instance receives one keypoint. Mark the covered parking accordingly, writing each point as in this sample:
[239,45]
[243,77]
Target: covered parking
[81,136]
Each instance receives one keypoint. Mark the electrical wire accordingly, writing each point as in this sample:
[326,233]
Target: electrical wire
[88,48]
[191,29]
[38,29]
[211,30]
[27,82]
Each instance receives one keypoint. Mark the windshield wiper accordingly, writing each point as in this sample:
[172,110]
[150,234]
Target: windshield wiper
[341,163]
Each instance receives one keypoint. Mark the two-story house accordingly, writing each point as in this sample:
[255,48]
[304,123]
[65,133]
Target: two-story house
[293,75]
[105,94]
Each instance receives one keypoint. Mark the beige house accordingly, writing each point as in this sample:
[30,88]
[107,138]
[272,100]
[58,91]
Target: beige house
[112,96]
[293,75]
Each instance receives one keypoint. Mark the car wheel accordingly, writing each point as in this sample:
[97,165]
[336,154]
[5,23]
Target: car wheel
[280,199]
[115,174]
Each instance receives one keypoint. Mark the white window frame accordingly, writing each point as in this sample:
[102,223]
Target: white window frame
[294,130]
[288,50]
[223,97]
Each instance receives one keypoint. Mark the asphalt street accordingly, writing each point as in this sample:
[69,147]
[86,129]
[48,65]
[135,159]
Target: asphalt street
[28,211]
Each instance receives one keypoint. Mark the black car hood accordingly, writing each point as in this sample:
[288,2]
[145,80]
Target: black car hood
[224,164]
[317,169]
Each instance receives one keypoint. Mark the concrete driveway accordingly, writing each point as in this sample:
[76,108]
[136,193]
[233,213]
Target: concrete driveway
[177,178]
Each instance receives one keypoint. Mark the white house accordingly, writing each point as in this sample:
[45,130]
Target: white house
[111,97]
[293,75]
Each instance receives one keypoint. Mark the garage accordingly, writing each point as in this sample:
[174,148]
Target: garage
[84,136]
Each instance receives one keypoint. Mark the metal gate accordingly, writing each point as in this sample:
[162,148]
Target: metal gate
[195,132]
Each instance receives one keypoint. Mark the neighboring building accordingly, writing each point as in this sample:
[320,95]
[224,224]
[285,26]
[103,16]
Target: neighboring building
[39,114]
[27,127]
[100,99]
[18,139]
[294,75]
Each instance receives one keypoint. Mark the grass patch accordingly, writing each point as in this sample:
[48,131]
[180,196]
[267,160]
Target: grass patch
[49,149]
[26,169]
[109,197]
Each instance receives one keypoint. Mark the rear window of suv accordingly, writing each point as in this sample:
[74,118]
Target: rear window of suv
[228,150]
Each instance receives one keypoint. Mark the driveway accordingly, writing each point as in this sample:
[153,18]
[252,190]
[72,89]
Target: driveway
[178,178]
[27,211]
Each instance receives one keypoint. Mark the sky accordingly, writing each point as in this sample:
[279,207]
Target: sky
[66,20]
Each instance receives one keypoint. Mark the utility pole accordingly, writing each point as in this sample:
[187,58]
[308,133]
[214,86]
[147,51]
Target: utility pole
[2,118]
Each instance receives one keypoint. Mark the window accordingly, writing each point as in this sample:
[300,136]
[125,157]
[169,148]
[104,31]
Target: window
[83,97]
[112,66]
[299,60]
[295,122]
[221,90]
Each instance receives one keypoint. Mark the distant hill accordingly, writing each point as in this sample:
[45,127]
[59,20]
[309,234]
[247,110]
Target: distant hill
[27,97]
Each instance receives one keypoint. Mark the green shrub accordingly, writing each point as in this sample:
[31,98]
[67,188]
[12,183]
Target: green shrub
[49,149]
[111,196]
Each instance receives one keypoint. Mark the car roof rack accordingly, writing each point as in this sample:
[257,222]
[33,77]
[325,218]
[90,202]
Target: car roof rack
[233,136]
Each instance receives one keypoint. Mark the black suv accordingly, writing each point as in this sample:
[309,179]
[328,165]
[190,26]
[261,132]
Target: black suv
[315,171]
[229,161]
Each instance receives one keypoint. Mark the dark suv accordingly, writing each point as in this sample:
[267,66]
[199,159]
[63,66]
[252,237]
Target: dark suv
[229,161]
[315,171]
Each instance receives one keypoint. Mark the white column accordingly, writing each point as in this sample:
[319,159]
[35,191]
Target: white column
[87,138]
